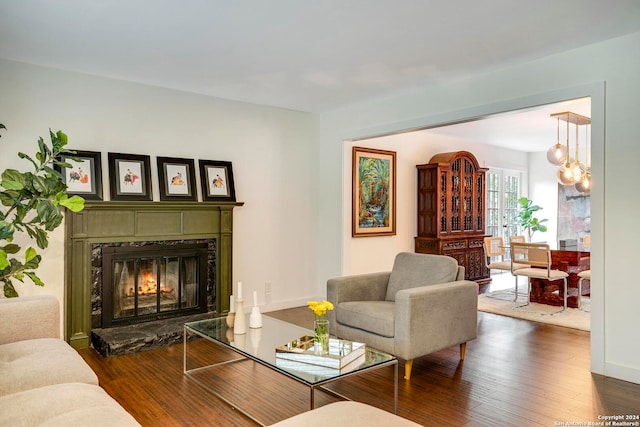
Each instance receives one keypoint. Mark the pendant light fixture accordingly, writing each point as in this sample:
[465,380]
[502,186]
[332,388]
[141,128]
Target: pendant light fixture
[564,175]
[572,173]
[557,154]
[584,185]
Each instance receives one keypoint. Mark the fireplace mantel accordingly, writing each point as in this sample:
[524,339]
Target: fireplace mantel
[106,221]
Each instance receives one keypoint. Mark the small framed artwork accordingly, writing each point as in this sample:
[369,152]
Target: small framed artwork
[129,177]
[177,179]
[216,178]
[374,192]
[84,177]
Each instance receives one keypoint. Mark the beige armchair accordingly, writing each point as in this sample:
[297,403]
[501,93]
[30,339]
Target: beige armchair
[423,305]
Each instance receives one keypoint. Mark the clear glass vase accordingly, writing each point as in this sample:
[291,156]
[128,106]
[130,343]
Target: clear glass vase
[321,337]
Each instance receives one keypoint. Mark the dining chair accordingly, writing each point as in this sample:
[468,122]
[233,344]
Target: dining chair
[585,274]
[538,256]
[494,248]
[517,239]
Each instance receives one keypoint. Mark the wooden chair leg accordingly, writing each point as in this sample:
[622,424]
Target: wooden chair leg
[407,369]
[463,349]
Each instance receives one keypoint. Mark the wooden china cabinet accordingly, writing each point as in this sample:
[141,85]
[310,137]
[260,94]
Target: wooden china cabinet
[451,210]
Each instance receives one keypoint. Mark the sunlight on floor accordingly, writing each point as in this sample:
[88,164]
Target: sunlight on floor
[504,280]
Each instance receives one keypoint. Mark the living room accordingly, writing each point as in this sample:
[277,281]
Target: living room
[289,165]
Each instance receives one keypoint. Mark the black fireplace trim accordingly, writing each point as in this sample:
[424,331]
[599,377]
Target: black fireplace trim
[208,298]
[111,253]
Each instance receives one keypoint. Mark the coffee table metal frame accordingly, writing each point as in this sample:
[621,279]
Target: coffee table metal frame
[190,328]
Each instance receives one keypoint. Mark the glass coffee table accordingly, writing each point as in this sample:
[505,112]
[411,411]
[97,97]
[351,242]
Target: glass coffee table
[259,345]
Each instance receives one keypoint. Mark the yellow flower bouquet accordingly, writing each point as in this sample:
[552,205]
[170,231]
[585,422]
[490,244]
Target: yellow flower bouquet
[320,308]
[321,324]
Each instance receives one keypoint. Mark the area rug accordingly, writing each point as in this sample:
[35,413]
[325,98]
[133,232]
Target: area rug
[501,302]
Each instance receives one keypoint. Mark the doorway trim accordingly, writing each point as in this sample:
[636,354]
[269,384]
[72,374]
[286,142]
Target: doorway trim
[597,92]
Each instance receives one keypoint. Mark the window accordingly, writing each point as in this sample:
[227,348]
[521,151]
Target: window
[503,192]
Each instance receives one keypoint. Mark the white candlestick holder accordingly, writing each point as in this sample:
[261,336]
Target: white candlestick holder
[240,324]
[255,318]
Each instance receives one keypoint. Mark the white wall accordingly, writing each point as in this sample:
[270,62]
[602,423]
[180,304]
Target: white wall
[271,151]
[543,191]
[574,74]
[367,254]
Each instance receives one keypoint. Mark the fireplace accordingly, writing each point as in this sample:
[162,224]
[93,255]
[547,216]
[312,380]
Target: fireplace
[129,234]
[144,281]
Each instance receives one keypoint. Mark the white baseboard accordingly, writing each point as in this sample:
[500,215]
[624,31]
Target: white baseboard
[625,373]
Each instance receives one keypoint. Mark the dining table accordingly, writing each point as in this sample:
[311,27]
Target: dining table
[552,292]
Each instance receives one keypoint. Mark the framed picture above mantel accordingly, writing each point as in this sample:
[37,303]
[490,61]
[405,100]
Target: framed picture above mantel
[177,179]
[130,177]
[374,192]
[216,178]
[84,177]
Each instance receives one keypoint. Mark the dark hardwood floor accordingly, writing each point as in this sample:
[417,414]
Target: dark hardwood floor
[516,373]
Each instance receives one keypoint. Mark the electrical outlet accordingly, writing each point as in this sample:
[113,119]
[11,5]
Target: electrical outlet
[267,287]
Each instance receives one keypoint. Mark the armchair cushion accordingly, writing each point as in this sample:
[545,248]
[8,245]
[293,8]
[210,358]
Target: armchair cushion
[372,316]
[411,270]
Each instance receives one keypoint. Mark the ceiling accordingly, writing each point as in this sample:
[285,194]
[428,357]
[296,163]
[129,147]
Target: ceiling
[530,130]
[309,56]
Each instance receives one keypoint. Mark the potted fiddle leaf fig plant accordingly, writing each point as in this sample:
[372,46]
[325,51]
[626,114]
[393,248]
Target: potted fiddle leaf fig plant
[526,218]
[31,204]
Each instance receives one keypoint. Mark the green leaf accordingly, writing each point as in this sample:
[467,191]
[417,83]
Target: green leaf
[4,262]
[41,238]
[54,173]
[40,185]
[9,290]
[13,179]
[73,203]
[62,140]
[63,164]
[48,215]
[6,198]
[33,263]
[11,248]
[24,156]
[35,278]
[45,152]
[30,254]
[6,230]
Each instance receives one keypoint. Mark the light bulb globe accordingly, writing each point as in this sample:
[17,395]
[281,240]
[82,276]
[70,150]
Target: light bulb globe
[564,175]
[584,185]
[577,171]
[557,154]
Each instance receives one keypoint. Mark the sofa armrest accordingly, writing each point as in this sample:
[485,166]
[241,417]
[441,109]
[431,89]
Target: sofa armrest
[362,287]
[430,318]
[29,317]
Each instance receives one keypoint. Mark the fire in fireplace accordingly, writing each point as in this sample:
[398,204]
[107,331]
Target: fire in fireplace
[153,281]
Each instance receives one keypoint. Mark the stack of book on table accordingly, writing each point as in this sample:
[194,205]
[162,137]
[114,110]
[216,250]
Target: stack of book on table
[305,356]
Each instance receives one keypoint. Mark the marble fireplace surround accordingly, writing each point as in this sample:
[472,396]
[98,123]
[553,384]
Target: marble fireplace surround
[110,222]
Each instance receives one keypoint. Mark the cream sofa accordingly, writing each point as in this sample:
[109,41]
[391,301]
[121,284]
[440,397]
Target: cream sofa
[346,413]
[43,380]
